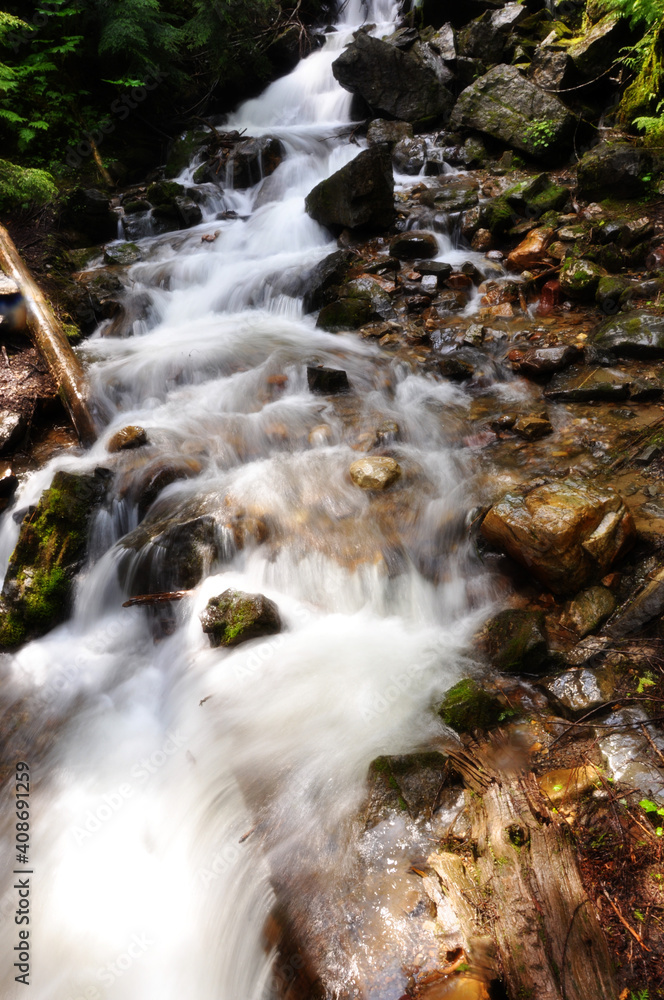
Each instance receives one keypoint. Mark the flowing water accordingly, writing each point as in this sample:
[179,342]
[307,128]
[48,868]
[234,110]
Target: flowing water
[155,755]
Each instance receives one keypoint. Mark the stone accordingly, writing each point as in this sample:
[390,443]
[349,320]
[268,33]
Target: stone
[468,707]
[533,428]
[621,741]
[550,68]
[636,334]
[12,428]
[515,641]
[566,533]
[8,482]
[440,268]
[642,607]
[249,161]
[344,314]
[507,106]
[375,472]
[156,478]
[532,250]
[409,156]
[414,244]
[533,198]
[485,38]
[189,212]
[482,241]
[127,438]
[540,362]
[327,381]
[323,279]
[166,553]
[381,130]
[455,369]
[589,609]
[123,254]
[360,194]
[599,47]
[612,292]
[613,170]
[234,617]
[393,83]
[429,284]
[183,148]
[406,782]
[584,386]
[579,279]
[568,784]
[51,549]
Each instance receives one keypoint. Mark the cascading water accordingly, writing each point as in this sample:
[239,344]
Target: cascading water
[153,759]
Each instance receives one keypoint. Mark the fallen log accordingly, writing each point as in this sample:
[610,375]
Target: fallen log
[163,598]
[51,341]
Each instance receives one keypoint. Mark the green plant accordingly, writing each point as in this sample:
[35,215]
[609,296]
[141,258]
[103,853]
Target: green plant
[653,810]
[541,133]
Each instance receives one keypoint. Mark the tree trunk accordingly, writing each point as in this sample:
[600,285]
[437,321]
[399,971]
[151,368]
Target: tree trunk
[51,341]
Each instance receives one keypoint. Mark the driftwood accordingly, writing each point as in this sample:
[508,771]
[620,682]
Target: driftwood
[51,341]
[163,598]
[522,888]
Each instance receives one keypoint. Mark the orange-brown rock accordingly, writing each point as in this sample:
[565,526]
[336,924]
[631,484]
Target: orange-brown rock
[532,250]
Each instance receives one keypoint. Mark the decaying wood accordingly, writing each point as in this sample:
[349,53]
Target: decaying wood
[163,598]
[51,341]
[522,886]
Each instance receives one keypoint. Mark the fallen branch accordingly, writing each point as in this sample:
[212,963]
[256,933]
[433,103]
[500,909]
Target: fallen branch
[143,599]
[624,922]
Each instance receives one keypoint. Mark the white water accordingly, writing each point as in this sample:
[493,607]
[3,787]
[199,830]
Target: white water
[141,888]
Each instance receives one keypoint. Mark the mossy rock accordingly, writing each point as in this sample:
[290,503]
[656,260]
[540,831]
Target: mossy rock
[234,617]
[404,783]
[344,314]
[183,148]
[468,707]
[579,279]
[23,186]
[496,215]
[515,641]
[51,548]
[535,197]
[164,193]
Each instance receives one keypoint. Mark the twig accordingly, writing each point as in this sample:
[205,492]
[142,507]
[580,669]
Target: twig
[624,922]
[174,595]
[5,356]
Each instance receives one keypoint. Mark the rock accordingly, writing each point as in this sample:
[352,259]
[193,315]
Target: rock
[637,334]
[551,69]
[361,194]
[507,106]
[515,641]
[533,428]
[642,607]
[485,37]
[455,369]
[8,483]
[327,381]
[123,254]
[344,314]
[155,478]
[376,472]
[579,279]
[598,48]
[621,741]
[568,784]
[414,244]
[51,549]
[584,386]
[89,210]
[482,241]
[566,533]
[164,193]
[324,277]
[392,82]
[468,707]
[613,170]
[234,617]
[242,165]
[381,130]
[183,148]
[535,197]
[540,362]
[172,552]
[12,428]
[439,268]
[189,212]
[409,156]
[589,609]
[532,250]
[407,782]
[612,292]
[127,438]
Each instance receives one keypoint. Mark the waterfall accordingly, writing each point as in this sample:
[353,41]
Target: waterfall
[153,757]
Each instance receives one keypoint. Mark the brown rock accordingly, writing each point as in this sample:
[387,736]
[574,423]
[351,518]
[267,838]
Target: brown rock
[533,428]
[376,472]
[532,250]
[128,437]
[542,361]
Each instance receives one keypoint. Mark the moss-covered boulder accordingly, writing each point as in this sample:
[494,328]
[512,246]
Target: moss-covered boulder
[344,314]
[534,197]
[123,254]
[515,641]
[614,170]
[51,548]
[579,279]
[23,186]
[407,783]
[637,334]
[468,707]
[234,617]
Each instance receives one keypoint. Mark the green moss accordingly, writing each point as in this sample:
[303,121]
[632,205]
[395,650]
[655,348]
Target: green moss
[12,630]
[23,186]
[467,707]
[47,596]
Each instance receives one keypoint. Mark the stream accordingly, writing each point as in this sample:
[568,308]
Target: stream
[180,793]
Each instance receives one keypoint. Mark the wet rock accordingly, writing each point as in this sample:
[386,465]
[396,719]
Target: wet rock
[123,254]
[598,48]
[565,533]
[189,212]
[156,478]
[234,617]
[405,783]
[468,707]
[244,164]
[51,549]
[394,83]
[127,438]
[626,754]
[321,281]
[163,193]
[436,267]
[360,194]
[640,608]
[515,641]
[381,130]
[612,292]
[182,150]
[485,38]
[532,250]
[414,244]
[507,106]
[613,170]
[579,279]
[582,689]
[535,197]
[344,314]
[409,156]
[455,369]
[12,428]
[637,334]
[8,483]
[166,553]
[589,609]
[551,69]
[482,241]
[568,784]
[540,362]
[532,428]
[376,472]
[327,381]
[596,384]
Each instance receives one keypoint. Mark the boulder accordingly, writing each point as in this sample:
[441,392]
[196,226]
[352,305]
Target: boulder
[51,548]
[234,617]
[409,156]
[535,197]
[327,381]
[12,428]
[613,170]
[589,385]
[392,82]
[579,278]
[540,362]
[414,245]
[589,609]
[127,438]
[468,707]
[582,689]
[361,194]
[123,254]
[183,148]
[613,291]
[344,314]
[565,533]
[407,782]
[382,131]
[166,553]
[551,68]
[376,472]
[532,250]
[515,641]
[324,277]
[485,38]
[598,48]
[636,334]
[507,106]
